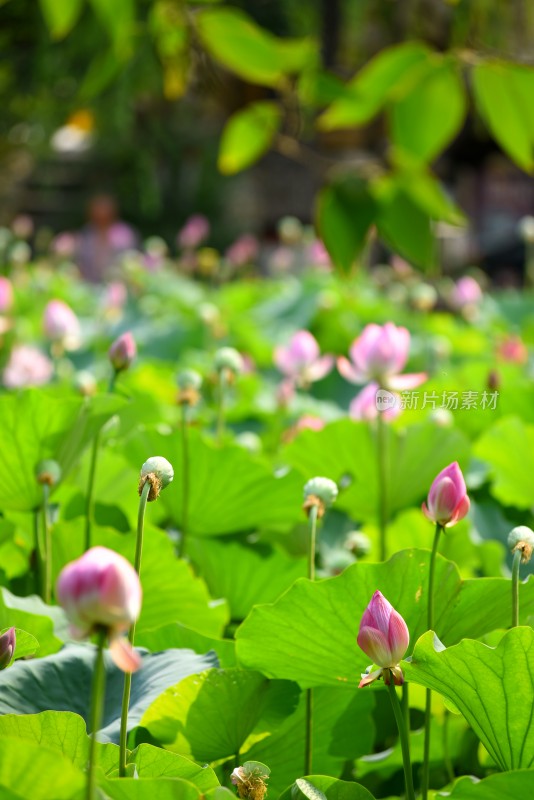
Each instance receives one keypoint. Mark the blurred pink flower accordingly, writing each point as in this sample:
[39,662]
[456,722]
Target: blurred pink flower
[318,255]
[466,292]
[115,295]
[122,352]
[384,637]
[65,244]
[102,589]
[364,406]
[243,251]
[282,259]
[22,226]
[27,366]
[379,354]
[308,422]
[6,295]
[447,501]
[195,231]
[60,324]
[513,349]
[121,236]
[301,360]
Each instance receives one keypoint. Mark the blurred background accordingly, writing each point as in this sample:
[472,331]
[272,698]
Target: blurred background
[115,112]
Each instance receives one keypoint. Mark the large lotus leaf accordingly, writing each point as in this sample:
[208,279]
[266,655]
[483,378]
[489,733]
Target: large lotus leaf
[171,592]
[329,788]
[62,682]
[210,716]
[346,451]
[245,575]
[309,634]
[508,448]
[59,730]
[492,687]
[37,425]
[230,489]
[30,770]
[501,786]
[35,617]
[342,730]
[153,762]
[179,636]
[150,789]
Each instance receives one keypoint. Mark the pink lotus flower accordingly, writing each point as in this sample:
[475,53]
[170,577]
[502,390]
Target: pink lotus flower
[301,360]
[60,324]
[364,406]
[27,366]
[122,352]
[467,292]
[318,255]
[121,237]
[384,637]
[8,642]
[6,295]
[243,251]
[65,244]
[195,231]
[102,589]
[379,354]
[513,350]
[447,501]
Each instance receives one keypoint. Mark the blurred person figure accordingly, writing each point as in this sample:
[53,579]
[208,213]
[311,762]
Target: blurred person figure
[102,239]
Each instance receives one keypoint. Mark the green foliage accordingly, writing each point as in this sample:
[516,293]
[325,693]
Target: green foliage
[345,212]
[247,135]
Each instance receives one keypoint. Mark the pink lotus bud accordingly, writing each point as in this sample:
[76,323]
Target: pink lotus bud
[6,295]
[301,360]
[102,589]
[27,366]
[379,354]
[383,636]
[115,296]
[466,292]
[61,324]
[447,501]
[195,231]
[309,422]
[122,352]
[8,642]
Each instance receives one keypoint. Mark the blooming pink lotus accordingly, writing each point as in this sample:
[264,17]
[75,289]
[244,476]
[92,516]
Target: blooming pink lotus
[195,231]
[122,352]
[384,637]
[364,406]
[102,589]
[301,360]
[379,354]
[6,295]
[447,501]
[27,366]
[60,324]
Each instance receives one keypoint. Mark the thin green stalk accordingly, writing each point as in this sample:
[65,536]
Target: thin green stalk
[515,588]
[220,406]
[131,634]
[308,745]
[97,706]
[47,554]
[382,485]
[89,504]
[39,556]
[428,695]
[404,739]
[445,745]
[405,705]
[185,481]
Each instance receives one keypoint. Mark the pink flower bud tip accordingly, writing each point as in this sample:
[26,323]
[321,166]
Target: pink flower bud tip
[122,352]
[8,642]
[384,637]
[447,501]
[102,589]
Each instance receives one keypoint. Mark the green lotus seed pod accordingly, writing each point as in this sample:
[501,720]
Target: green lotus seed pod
[48,472]
[323,488]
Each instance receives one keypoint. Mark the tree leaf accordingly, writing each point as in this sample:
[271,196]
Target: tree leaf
[345,212]
[403,225]
[247,135]
[492,687]
[61,15]
[309,634]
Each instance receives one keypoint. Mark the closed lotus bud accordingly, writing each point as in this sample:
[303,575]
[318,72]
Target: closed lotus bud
[189,383]
[8,642]
[101,590]
[122,352]
[447,501]
[228,359]
[159,473]
[61,325]
[319,492]
[522,538]
[48,472]
[384,637]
